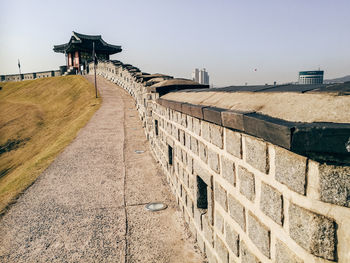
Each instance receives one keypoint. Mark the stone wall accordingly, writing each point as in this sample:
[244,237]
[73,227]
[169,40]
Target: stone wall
[29,76]
[244,198]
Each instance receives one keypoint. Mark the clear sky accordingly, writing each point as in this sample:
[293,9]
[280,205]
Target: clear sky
[230,38]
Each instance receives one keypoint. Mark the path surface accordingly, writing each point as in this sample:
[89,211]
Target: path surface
[88,205]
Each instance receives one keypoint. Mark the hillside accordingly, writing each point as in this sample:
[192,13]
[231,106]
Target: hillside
[338,80]
[38,118]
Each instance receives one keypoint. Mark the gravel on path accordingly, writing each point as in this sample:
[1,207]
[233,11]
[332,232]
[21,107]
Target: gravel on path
[88,205]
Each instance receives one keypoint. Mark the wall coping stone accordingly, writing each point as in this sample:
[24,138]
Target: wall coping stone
[320,141]
[213,114]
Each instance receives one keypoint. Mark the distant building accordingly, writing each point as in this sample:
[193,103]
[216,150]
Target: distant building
[195,75]
[311,77]
[200,76]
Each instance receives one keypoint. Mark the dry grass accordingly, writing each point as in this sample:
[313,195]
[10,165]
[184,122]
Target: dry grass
[38,118]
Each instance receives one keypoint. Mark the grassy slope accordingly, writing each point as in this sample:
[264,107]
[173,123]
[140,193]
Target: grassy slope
[38,118]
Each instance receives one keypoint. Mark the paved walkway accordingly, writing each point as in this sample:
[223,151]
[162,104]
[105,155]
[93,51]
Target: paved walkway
[88,205]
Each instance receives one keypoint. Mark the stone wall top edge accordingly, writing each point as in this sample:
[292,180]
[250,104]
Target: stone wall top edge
[320,141]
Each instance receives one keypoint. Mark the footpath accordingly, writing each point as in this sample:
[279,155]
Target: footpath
[89,204]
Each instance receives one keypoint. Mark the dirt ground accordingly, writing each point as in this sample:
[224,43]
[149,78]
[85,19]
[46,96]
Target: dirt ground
[88,205]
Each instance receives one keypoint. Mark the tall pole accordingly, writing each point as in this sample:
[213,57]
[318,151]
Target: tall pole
[19,67]
[94,59]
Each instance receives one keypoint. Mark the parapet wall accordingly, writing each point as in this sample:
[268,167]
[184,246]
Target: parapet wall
[29,76]
[244,192]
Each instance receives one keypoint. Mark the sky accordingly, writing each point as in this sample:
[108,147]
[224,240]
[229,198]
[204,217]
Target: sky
[230,38]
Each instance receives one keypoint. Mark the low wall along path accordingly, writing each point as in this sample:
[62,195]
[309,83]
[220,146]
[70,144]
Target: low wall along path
[251,187]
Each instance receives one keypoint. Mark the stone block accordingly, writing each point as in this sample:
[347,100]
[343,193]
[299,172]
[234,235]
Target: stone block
[203,152]
[207,230]
[256,154]
[335,184]
[182,137]
[186,108]
[212,114]
[236,211]
[169,128]
[202,172]
[179,119]
[183,121]
[176,165]
[191,183]
[188,141]
[198,217]
[190,206]
[216,135]
[233,119]
[322,138]
[176,106]
[194,145]
[271,203]
[273,130]
[178,135]
[219,222]
[189,122]
[259,234]
[175,132]
[177,152]
[233,143]
[290,170]
[184,157]
[246,255]
[232,239]
[170,141]
[197,111]
[181,172]
[220,196]
[246,183]
[201,243]
[205,130]
[160,101]
[314,232]
[190,164]
[210,256]
[211,206]
[213,161]
[221,250]
[184,195]
[176,116]
[285,255]
[185,177]
[228,170]
[197,126]
[192,228]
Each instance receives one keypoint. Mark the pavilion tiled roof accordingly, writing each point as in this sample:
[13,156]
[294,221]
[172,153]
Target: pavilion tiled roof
[84,42]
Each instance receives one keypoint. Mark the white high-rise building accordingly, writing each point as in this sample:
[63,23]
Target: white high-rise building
[200,76]
[195,75]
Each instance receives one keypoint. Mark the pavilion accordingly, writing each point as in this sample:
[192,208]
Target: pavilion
[79,49]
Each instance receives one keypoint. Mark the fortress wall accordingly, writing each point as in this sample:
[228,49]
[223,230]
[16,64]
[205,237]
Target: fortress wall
[30,76]
[244,199]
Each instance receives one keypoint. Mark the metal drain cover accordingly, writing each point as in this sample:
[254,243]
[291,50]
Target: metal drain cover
[155,206]
[139,151]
